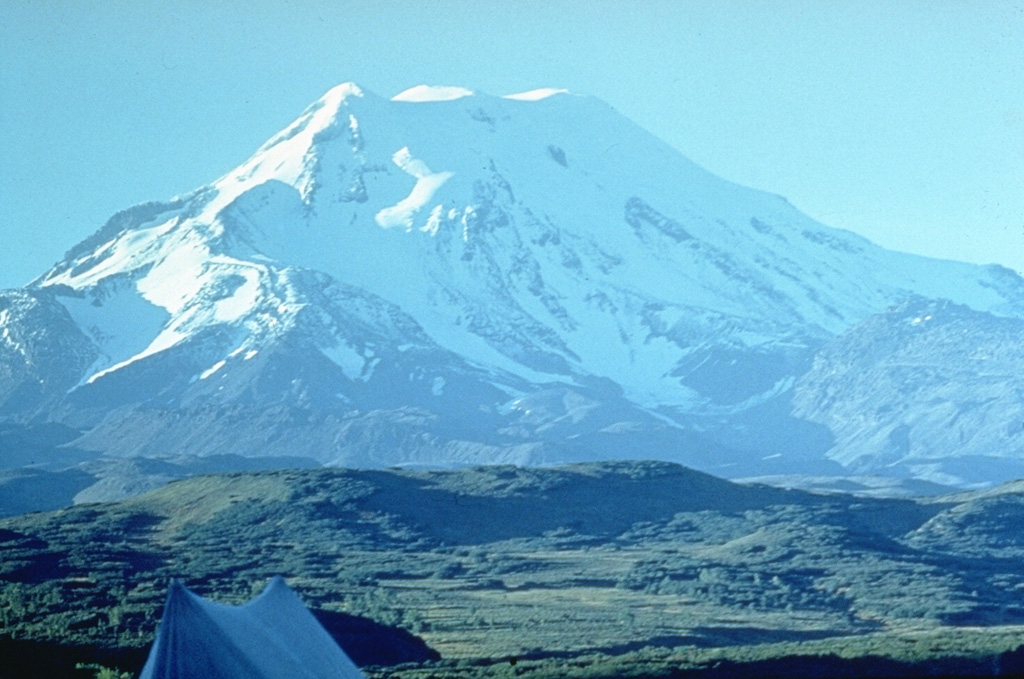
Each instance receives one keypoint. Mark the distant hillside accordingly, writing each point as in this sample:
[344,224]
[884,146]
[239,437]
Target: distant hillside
[539,563]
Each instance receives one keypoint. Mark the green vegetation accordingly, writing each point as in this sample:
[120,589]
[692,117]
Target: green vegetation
[595,570]
[104,672]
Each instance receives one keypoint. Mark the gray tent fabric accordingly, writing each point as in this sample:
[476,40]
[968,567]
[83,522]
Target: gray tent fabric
[274,636]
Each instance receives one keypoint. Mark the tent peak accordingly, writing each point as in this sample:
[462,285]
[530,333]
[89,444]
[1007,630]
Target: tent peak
[269,637]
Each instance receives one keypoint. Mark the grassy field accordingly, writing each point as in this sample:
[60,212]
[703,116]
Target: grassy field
[587,570]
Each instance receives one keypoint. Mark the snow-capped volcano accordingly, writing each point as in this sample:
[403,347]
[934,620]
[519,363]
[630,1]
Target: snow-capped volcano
[449,277]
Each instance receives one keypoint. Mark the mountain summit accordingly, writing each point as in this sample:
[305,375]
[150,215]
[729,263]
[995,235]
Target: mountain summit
[448,277]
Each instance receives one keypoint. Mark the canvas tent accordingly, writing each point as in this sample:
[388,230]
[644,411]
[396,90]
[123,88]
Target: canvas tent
[274,636]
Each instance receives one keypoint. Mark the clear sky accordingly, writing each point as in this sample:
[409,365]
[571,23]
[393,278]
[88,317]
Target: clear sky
[902,120]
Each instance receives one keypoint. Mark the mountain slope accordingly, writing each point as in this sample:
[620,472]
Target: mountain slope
[930,389]
[449,277]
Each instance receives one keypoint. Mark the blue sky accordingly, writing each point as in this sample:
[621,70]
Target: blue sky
[903,121]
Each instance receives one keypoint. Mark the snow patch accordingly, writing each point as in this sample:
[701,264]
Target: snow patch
[433,224]
[345,356]
[6,334]
[165,340]
[536,95]
[401,214]
[212,369]
[424,93]
[125,253]
[340,93]
[120,322]
[178,278]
